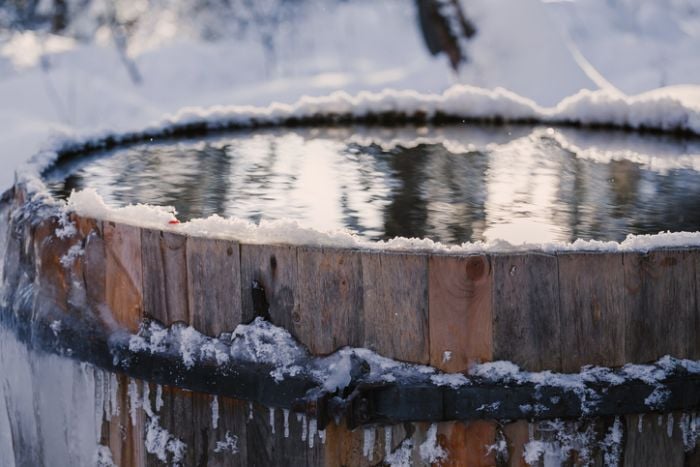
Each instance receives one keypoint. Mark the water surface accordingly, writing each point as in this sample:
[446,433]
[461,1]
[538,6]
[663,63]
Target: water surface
[450,184]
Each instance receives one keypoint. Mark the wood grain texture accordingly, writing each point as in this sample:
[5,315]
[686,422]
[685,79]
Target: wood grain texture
[267,446]
[54,280]
[517,435]
[275,268]
[460,311]
[395,288]
[164,260]
[467,443]
[593,305]
[330,299]
[123,273]
[664,318]
[210,446]
[214,285]
[126,440]
[526,310]
[653,446]
[177,417]
[95,270]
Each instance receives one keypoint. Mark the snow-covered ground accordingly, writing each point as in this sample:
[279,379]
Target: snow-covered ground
[541,51]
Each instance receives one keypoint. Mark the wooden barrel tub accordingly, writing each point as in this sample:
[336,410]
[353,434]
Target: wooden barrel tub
[543,311]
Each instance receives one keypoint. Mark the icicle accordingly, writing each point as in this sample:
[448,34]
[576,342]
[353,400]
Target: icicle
[669,425]
[640,422]
[159,398]
[322,436]
[113,391]
[312,432]
[303,427]
[99,401]
[215,412]
[530,432]
[134,400]
[250,411]
[272,420]
[285,413]
[147,399]
[387,440]
[368,444]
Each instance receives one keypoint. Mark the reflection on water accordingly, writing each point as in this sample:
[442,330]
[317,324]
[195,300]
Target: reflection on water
[451,184]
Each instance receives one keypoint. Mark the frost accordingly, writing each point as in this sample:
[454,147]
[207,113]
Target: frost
[446,356]
[113,391]
[159,398]
[229,444]
[387,440]
[368,442]
[162,444]
[304,426]
[612,444]
[190,341]
[690,431]
[215,349]
[71,255]
[134,401]
[103,457]
[146,403]
[285,413]
[430,451]
[55,327]
[453,380]
[215,412]
[657,398]
[402,456]
[312,432]
[66,228]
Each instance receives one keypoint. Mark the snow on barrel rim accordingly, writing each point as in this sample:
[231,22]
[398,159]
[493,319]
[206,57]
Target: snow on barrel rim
[658,112]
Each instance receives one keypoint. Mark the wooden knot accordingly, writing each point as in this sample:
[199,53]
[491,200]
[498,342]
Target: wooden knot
[476,268]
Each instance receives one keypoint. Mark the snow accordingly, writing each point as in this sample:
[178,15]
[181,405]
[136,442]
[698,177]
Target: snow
[626,63]
[430,451]
[229,444]
[162,444]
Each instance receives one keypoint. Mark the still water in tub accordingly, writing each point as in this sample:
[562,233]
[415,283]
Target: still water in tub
[450,184]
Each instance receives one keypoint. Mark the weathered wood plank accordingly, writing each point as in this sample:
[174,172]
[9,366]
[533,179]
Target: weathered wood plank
[526,310]
[126,438]
[460,311]
[123,273]
[653,446]
[663,320]
[164,260]
[275,268]
[214,285]
[267,444]
[517,435]
[468,443]
[395,288]
[330,299]
[54,281]
[593,305]
[461,334]
[226,443]
[176,417]
[214,288]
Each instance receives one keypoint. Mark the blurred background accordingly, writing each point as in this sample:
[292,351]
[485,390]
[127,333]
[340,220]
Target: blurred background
[86,65]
